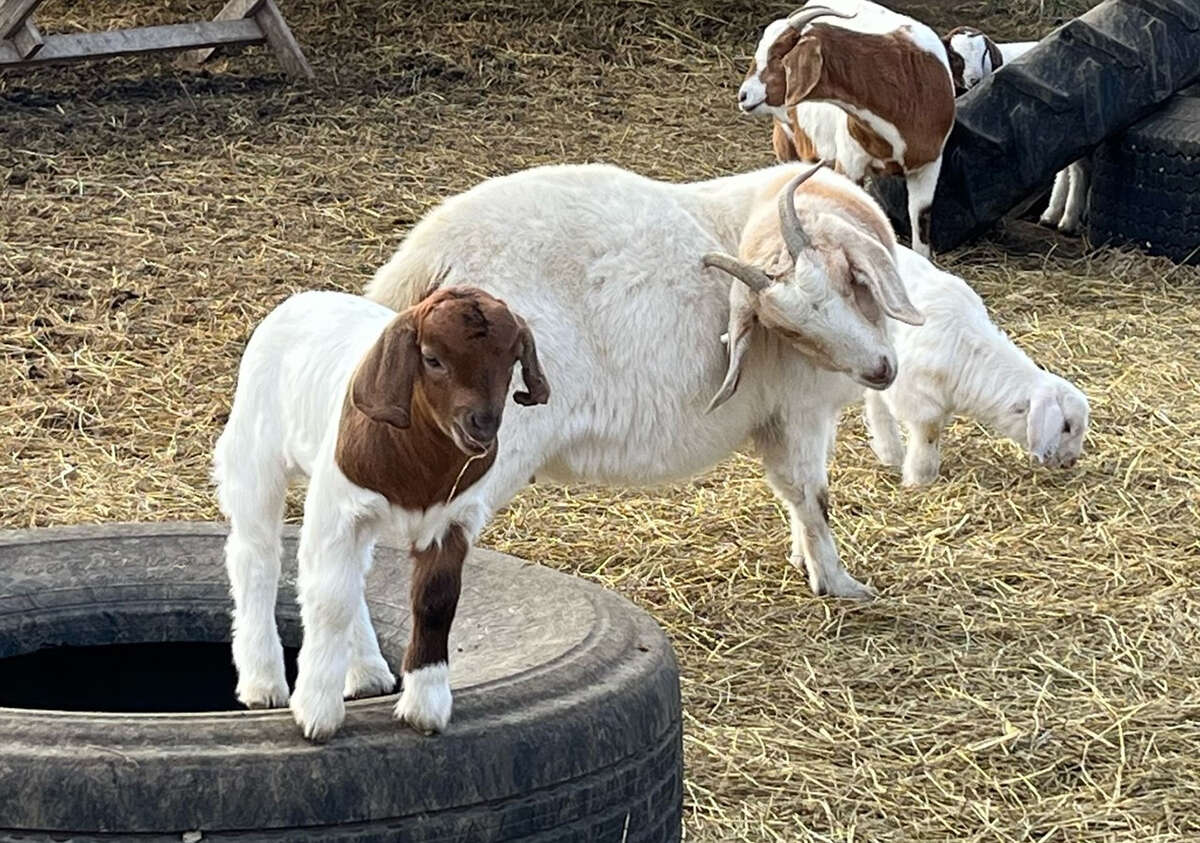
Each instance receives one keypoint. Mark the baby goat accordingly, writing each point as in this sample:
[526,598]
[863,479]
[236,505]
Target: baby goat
[887,72]
[959,362]
[394,418]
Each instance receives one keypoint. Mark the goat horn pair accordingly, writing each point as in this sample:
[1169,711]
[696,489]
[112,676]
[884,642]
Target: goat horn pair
[794,236]
[799,19]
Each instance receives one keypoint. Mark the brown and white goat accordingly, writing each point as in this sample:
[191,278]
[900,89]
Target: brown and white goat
[887,72]
[393,418]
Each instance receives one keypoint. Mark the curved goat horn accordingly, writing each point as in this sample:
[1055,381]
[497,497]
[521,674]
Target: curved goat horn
[751,276]
[794,236]
[799,19]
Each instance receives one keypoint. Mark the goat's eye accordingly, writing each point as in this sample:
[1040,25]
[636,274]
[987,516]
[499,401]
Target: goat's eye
[1066,427]
[432,362]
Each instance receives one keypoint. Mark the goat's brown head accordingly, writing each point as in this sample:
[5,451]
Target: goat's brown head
[786,64]
[450,357]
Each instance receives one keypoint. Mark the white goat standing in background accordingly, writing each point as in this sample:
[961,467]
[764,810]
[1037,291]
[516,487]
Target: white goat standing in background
[960,363]
[973,57]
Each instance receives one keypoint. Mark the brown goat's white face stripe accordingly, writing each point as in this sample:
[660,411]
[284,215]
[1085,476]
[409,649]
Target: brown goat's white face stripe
[752,95]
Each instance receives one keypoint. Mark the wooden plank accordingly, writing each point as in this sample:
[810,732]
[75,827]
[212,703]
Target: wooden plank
[280,37]
[147,39]
[27,39]
[233,10]
[13,13]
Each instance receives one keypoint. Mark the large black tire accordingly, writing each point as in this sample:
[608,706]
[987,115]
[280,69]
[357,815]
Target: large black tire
[566,721]
[1090,78]
[1146,183]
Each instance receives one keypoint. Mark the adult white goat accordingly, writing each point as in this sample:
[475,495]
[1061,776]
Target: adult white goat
[606,267]
[888,72]
[960,363]
[973,57]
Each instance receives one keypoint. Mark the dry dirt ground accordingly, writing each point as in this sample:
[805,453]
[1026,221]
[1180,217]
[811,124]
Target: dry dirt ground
[1031,671]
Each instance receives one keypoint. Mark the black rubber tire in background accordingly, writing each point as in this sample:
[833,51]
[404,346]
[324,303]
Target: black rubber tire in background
[1090,78]
[1146,183]
[566,721]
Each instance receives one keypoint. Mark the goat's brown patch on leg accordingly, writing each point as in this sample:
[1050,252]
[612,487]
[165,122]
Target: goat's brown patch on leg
[436,584]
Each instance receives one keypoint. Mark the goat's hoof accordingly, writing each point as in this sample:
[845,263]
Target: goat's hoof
[915,481]
[319,719]
[369,679]
[425,702]
[889,455]
[1069,226]
[271,694]
[849,588]
[1049,220]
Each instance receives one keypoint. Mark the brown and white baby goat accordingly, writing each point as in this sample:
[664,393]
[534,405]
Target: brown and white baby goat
[393,418]
[887,72]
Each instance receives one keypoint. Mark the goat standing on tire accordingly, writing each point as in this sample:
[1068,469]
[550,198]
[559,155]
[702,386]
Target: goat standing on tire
[868,88]
[394,419]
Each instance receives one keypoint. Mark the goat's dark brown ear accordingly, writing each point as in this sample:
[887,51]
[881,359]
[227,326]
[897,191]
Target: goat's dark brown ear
[537,390]
[382,386]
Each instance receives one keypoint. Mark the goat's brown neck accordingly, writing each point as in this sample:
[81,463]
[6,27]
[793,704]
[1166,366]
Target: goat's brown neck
[416,467]
[891,78]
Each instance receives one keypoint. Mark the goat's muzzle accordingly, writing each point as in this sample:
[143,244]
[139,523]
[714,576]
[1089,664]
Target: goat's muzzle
[474,431]
[881,377]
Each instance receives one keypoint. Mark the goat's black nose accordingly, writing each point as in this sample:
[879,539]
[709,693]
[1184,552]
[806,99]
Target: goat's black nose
[484,424]
[884,373]
[742,95]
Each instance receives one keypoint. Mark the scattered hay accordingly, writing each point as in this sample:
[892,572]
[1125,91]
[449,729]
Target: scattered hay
[1031,671]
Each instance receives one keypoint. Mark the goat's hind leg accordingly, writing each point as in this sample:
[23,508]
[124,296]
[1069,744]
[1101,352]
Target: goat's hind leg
[253,553]
[922,183]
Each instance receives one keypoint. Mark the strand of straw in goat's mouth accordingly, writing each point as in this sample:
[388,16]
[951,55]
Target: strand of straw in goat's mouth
[463,471]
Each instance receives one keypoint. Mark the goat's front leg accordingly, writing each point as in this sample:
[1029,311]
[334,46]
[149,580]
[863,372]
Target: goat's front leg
[368,674]
[795,465]
[332,554]
[922,183]
[924,455]
[425,702]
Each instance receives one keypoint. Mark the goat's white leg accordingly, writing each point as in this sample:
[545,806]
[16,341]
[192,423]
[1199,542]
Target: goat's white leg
[368,674]
[1077,194]
[251,490]
[1058,198]
[884,432]
[794,460]
[333,548]
[922,183]
[924,455]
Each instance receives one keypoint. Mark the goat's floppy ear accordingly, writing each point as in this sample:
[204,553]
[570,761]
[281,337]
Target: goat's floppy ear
[802,69]
[537,390]
[741,326]
[877,269]
[1044,425]
[382,385]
